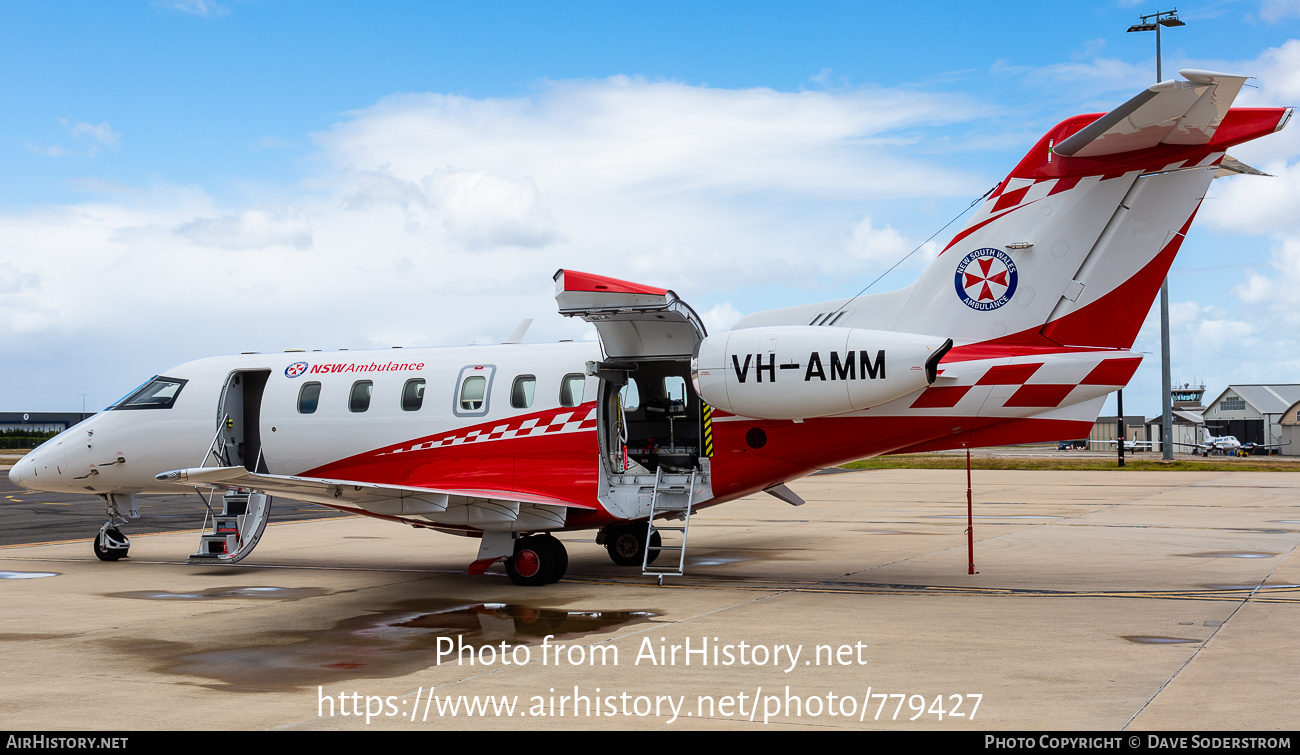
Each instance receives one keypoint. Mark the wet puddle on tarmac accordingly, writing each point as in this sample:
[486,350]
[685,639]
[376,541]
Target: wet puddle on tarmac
[731,556]
[1142,639]
[217,593]
[378,644]
[1229,554]
[27,574]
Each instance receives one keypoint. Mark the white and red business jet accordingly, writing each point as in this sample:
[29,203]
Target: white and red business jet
[1016,333]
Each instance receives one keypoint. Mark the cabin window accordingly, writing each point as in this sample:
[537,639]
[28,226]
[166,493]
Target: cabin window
[521,393]
[630,396]
[413,395]
[159,393]
[308,398]
[359,398]
[472,396]
[675,388]
[571,389]
[472,393]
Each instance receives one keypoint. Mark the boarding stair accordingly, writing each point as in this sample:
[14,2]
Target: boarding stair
[674,495]
[231,534]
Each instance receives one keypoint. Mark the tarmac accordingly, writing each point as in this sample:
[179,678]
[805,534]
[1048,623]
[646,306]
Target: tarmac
[1108,601]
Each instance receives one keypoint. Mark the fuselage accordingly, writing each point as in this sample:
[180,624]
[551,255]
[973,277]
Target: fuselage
[415,417]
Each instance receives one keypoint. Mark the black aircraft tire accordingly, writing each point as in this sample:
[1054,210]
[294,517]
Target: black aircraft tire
[655,542]
[538,560]
[559,557]
[104,552]
[626,545]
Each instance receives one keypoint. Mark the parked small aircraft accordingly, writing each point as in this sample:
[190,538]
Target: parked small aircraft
[1228,445]
[1014,334]
[1133,445]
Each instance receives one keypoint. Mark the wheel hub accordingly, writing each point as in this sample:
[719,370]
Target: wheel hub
[527,563]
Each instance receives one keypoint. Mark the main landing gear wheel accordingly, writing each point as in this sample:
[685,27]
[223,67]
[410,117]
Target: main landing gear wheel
[111,544]
[538,560]
[627,545]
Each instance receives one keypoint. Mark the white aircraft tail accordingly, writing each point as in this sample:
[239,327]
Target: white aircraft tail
[1071,248]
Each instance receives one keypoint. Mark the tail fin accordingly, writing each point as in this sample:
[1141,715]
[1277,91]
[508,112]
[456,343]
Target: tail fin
[1071,248]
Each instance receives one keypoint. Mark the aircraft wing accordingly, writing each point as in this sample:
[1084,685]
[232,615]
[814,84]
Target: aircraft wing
[485,509]
[1171,112]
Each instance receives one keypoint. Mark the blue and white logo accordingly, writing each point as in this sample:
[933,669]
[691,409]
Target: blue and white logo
[295,369]
[986,279]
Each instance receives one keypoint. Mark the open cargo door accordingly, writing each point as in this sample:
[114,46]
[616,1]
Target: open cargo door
[651,422]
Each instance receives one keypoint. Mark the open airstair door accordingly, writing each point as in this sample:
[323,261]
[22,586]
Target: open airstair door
[652,425]
[233,525]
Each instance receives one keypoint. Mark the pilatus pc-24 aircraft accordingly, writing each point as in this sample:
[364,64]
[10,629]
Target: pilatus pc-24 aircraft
[1014,334]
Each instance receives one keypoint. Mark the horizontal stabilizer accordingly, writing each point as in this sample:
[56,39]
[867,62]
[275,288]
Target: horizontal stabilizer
[1171,112]
[1231,166]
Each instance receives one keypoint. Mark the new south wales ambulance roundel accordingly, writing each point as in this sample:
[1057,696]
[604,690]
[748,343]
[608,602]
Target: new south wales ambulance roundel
[295,369]
[986,279]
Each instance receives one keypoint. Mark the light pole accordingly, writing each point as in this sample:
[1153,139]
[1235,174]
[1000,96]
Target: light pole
[1153,22]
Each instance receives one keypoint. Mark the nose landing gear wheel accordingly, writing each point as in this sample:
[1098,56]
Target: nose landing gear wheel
[538,560]
[111,544]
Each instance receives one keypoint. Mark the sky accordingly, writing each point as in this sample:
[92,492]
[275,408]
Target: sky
[190,178]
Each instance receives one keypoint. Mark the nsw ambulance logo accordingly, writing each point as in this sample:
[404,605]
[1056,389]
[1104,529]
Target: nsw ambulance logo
[986,279]
[295,369]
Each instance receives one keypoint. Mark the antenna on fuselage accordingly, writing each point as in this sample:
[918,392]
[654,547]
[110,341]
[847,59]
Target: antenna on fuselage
[517,335]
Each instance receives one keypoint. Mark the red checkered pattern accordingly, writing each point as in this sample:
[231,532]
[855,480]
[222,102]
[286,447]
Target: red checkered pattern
[552,421]
[1047,395]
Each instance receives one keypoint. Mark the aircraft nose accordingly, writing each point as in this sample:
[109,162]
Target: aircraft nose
[20,471]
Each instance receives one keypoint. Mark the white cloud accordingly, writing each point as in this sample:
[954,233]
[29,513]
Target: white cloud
[251,229]
[880,246]
[1256,204]
[53,150]
[424,207]
[91,137]
[721,317]
[653,138]
[876,250]
[1274,11]
[1279,293]
[99,132]
[203,8]
[485,210]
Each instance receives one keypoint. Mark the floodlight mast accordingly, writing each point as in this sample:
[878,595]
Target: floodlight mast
[1153,22]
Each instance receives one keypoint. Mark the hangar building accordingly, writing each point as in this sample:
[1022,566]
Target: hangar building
[1251,413]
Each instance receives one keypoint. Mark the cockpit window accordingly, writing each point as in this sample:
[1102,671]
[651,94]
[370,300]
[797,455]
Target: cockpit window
[159,393]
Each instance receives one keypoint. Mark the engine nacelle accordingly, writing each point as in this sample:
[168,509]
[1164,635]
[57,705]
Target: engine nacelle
[798,372]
